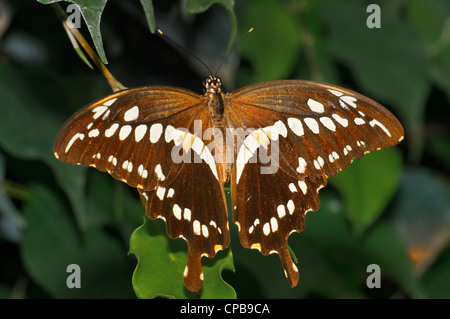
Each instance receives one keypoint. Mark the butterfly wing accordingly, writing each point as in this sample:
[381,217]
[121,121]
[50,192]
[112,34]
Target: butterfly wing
[193,205]
[147,137]
[306,132]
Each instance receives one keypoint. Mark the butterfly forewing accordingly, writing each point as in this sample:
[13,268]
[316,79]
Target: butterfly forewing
[308,131]
[124,134]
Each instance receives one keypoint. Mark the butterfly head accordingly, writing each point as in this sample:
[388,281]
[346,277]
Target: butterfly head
[212,84]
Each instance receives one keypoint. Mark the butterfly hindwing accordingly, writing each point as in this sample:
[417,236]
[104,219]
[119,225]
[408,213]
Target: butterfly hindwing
[202,223]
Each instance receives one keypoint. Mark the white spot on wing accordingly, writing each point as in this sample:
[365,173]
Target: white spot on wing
[292,188]
[160,192]
[155,132]
[281,211]
[124,132]
[350,100]
[110,102]
[266,229]
[274,224]
[99,110]
[94,133]
[331,158]
[176,211]
[303,187]
[359,121]
[196,227]
[316,164]
[295,125]
[209,159]
[301,165]
[132,114]
[320,161]
[175,135]
[273,131]
[340,120]
[328,123]
[336,93]
[111,130]
[290,206]
[261,137]
[159,174]
[205,231]
[312,124]
[187,214]
[106,114]
[130,167]
[139,132]
[315,106]
[73,139]
[197,145]
[376,122]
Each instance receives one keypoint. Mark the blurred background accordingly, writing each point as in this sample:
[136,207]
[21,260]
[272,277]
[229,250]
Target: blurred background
[390,208]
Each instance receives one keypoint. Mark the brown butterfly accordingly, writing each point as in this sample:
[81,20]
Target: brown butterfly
[275,142]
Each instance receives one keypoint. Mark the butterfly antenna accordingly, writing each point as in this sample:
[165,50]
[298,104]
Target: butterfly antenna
[185,50]
[236,44]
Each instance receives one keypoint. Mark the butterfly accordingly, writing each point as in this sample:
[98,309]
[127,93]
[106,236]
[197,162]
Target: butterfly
[275,143]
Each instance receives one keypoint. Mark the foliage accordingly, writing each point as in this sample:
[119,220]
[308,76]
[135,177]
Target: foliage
[389,208]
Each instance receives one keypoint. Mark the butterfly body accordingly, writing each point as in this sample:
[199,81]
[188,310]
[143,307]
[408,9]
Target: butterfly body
[275,142]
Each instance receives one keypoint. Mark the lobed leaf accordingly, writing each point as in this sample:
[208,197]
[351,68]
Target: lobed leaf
[161,263]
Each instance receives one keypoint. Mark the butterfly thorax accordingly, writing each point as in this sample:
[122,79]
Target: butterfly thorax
[216,104]
[213,91]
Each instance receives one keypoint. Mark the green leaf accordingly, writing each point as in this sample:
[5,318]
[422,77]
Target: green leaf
[161,263]
[149,14]
[91,11]
[430,19]
[273,47]
[51,242]
[199,6]
[368,185]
